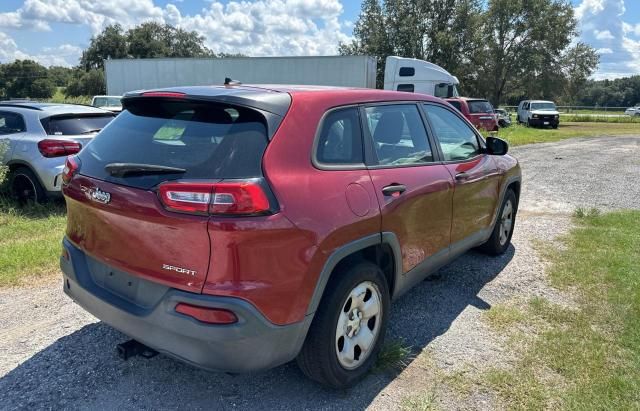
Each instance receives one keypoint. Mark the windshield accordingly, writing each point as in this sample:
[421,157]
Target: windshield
[543,106]
[479,106]
[203,140]
[107,102]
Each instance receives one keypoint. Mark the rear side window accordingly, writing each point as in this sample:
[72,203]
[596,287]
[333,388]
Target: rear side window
[406,87]
[456,104]
[11,123]
[479,106]
[340,139]
[206,140]
[407,71]
[398,134]
[73,125]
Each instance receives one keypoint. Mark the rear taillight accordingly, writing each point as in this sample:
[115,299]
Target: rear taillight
[228,198]
[58,148]
[206,314]
[71,167]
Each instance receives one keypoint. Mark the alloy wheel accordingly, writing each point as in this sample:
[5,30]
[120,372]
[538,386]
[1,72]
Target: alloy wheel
[506,222]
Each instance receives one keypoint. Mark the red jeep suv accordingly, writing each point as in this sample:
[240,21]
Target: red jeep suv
[478,111]
[239,227]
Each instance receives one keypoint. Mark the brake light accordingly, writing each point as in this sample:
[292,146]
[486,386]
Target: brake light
[207,314]
[229,198]
[166,94]
[71,167]
[58,148]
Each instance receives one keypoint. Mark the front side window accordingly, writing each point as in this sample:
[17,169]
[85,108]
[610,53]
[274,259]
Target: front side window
[406,87]
[11,123]
[398,133]
[340,140]
[457,139]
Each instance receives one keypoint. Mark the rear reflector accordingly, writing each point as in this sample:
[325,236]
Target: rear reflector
[71,167]
[229,198]
[58,148]
[206,314]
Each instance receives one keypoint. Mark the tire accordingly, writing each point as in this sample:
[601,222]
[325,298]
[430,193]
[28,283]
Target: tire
[25,186]
[555,126]
[500,239]
[325,356]
[529,123]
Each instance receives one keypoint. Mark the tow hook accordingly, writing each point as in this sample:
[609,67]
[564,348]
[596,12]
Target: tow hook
[132,348]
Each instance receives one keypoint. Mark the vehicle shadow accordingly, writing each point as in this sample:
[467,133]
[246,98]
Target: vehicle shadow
[82,370]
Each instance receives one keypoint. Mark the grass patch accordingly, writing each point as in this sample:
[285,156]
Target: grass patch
[394,356]
[502,317]
[425,401]
[518,135]
[599,118]
[30,241]
[59,97]
[588,356]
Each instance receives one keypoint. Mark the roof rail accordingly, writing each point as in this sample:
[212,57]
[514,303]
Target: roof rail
[19,105]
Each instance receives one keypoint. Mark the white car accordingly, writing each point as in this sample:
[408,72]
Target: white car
[110,103]
[538,113]
[633,111]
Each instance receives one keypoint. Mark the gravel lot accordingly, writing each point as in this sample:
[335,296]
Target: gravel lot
[54,355]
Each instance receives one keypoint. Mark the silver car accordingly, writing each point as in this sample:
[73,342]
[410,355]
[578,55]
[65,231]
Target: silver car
[633,111]
[36,139]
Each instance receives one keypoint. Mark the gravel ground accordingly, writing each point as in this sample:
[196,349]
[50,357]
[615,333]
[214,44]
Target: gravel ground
[54,355]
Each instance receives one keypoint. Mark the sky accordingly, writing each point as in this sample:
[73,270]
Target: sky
[54,32]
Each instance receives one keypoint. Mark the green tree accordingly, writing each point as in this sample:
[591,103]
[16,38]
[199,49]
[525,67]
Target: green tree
[579,62]
[88,83]
[111,43]
[151,39]
[370,37]
[26,79]
[60,76]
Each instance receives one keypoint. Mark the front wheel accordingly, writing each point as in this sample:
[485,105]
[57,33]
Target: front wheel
[348,329]
[503,229]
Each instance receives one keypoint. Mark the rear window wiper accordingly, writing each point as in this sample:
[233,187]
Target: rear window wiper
[122,169]
[95,130]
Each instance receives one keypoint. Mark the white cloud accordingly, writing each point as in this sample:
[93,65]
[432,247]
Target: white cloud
[602,26]
[268,27]
[603,35]
[9,49]
[66,55]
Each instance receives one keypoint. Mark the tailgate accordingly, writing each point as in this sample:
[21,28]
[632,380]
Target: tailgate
[128,229]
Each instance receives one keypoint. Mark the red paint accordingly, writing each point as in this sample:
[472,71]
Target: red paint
[274,261]
[206,314]
[482,121]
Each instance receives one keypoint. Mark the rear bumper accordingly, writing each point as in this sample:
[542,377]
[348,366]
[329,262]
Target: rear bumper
[251,344]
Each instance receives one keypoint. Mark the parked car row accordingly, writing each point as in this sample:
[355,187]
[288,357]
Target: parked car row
[633,111]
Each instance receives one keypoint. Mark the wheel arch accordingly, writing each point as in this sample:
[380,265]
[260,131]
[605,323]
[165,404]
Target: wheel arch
[383,249]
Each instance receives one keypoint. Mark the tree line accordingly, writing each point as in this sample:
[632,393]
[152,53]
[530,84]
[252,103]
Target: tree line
[504,50]
[27,78]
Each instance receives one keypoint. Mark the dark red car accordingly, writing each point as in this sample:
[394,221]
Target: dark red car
[237,228]
[478,111]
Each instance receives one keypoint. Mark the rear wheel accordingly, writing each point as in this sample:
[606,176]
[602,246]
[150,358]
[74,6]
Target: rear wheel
[503,228]
[348,329]
[25,186]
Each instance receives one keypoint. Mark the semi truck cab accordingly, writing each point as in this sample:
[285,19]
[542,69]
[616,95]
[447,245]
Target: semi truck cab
[419,76]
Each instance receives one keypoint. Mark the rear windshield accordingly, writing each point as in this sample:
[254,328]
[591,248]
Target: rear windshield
[207,141]
[480,106]
[73,125]
[106,101]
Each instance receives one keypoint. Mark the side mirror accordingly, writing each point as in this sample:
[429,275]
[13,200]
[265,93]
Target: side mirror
[497,146]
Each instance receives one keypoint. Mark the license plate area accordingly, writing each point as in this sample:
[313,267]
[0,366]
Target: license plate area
[546,123]
[131,288]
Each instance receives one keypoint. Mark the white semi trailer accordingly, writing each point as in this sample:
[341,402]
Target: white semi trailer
[402,74]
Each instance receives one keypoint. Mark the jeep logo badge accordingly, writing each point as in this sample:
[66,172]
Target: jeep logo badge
[97,195]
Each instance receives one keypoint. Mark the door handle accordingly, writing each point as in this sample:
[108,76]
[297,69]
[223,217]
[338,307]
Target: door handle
[394,189]
[462,176]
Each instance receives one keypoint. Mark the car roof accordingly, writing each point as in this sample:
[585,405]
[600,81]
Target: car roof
[49,109]
[467,98]
[276,98]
